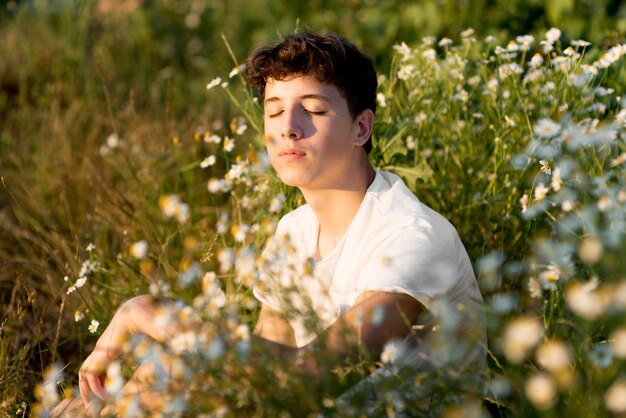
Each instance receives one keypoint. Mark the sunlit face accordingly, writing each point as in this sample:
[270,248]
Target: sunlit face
[311,138]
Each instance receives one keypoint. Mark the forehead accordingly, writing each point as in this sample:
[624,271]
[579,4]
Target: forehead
[300,87]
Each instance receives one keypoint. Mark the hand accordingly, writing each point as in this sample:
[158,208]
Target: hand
[92,374]
[136,315]
[109,346]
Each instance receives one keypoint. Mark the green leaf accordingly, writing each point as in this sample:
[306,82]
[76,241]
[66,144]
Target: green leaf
[394,146]
[421,171]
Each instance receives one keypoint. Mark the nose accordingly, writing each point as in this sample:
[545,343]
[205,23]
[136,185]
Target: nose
[291,126]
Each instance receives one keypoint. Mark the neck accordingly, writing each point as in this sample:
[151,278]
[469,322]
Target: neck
[335,208]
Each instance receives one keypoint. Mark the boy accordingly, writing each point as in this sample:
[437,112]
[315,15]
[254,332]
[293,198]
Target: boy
[383,261]
[376,248]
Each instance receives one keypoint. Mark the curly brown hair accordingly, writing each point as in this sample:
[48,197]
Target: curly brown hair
[329,58]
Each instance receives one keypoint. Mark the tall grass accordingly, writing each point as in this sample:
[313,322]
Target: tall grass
[97,139]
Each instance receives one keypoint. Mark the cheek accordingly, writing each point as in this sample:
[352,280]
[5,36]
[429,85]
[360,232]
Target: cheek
[269,141]
[269,137]
[272,160]
[270,124]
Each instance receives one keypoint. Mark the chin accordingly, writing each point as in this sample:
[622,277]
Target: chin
[292,180]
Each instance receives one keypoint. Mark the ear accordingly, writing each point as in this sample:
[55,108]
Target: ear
[363,125]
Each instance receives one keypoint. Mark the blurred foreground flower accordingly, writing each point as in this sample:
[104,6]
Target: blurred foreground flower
[615,397]
[173,207]
[601,355]
[546,128]
[393,352]
[521,335]
[114,382]
[139,249]
[588,299]
[541,390]
[553,355]
[618,342]
[47,391]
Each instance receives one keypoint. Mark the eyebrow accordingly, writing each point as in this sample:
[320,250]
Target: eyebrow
[304,97]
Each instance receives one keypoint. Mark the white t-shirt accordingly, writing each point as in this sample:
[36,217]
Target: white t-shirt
[394,243]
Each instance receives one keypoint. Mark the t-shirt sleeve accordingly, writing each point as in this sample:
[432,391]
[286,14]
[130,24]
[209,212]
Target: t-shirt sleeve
[265,298]
[422,264]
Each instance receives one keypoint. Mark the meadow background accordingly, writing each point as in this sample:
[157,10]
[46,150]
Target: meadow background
[122,174]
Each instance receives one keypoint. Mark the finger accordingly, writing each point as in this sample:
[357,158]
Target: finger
[85,392]
[91,388]
[95,384]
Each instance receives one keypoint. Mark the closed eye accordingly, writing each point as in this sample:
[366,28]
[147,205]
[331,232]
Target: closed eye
[275,114]
[315,112]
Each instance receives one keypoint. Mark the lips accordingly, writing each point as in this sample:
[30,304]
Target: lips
[291,154]
[291,151]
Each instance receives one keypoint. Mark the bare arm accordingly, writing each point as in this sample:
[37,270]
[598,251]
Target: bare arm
[137,315]
[344,340]
[400,312]
[273,327]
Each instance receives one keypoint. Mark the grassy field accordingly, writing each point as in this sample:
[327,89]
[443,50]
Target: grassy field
[122,174]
